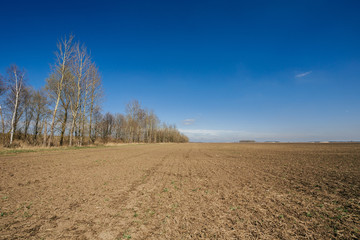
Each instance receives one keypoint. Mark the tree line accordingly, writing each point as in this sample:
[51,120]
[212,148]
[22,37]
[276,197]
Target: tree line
[67,110]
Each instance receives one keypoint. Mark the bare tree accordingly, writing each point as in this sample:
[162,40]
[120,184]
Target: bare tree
[39,102]
[89,94]
[119,128]
[133,109]
[62,111]
[2,92]
[95,96]
[153,122]
[16,84]
[80,70]
[60,70]
[63,118]
[97,119]
[28,110]
[106,126]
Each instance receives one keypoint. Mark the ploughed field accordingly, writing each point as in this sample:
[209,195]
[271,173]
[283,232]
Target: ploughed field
[183,191]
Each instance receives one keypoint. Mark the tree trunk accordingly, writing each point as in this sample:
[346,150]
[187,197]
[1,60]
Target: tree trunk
[83,118]
[14,117]
[27,126]
[72,131]
[90,120]
[45,133]
[3,126]
[36,127]
[63,127]
[54,113]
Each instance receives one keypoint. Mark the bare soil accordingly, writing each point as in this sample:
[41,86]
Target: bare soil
[183,191]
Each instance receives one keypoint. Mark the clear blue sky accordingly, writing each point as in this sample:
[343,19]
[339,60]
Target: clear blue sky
[219,70]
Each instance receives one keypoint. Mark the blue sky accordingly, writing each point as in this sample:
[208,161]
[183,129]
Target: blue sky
[219,70]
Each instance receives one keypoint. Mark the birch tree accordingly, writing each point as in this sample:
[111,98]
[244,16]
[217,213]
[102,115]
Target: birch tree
[2,92]
[16,84]
[95,97]
[60,71]
[80,70]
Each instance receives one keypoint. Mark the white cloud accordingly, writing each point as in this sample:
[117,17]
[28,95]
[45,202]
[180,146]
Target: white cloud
[209,135]
[303,74]
[189,121]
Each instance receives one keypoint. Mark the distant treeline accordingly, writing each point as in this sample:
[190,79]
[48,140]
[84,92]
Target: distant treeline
[67,110]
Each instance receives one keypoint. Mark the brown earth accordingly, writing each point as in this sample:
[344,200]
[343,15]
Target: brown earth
[183,191]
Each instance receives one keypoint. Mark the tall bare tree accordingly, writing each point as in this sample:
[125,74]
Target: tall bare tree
[91,77]
[60,71]
[80,69]
[16,84]
[2,92]
[95,97]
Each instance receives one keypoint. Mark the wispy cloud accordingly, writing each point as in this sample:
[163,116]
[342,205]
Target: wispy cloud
[209,135]
[189,121]
[303,74]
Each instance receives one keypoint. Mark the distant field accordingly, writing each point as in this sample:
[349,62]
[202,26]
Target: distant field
[183,191]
